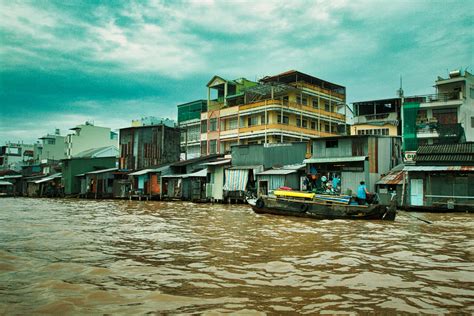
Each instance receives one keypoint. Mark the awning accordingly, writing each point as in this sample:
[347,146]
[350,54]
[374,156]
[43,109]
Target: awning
[49,178]
[439,168]
[236,179]
[276,172]
[335,159]
[141,172]
[2,183]
[102,171]
[201,173]
[217,163]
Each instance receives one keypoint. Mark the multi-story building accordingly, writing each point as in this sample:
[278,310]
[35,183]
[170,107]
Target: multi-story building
[444,117]
[152,120]
[16,155]
[377,117]
[189,122]
[148,146]
[288,107]
[53,147]
[88,136]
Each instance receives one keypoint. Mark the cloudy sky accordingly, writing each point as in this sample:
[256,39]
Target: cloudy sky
[63,62]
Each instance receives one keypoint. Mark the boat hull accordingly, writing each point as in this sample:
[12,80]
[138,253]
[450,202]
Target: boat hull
[318,210]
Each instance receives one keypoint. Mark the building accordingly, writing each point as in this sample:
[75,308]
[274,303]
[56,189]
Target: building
[189,122]
[14,156]
[152,120]
[215,179]
[250,160]
[53,147]
[377,117]
[287,107]
[442,178]
[290,176]
[88,136]
[143,147]
[441,118]
[354,159]
[91,160]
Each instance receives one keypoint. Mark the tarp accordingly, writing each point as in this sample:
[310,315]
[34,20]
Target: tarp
[236,180]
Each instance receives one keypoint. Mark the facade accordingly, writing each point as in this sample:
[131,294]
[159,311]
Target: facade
[53,147]
[354,159]
[87,136]
[288,107]
[16,155]
[442,178]
[441,118]
[148,146]
[90,160]
[189,122]
[377,117]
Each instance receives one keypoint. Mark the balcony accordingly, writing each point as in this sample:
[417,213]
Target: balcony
[447,132]
[372,118]
[440,99]
[260,107]
[284,128]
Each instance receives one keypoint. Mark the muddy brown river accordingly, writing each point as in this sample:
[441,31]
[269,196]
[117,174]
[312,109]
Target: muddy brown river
[129,257]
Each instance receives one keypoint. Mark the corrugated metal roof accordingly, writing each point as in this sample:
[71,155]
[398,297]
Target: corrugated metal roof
[294,167]
[439,168]
[5,183]
[49,178]
[102,171]
[141,172]
[449,149]
[275,172]
[444,158]
[335,159]
[216,163]
[392,178]
[198,159]
[246,167]
[201,173]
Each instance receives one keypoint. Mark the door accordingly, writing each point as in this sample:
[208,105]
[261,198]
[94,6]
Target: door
[416,192]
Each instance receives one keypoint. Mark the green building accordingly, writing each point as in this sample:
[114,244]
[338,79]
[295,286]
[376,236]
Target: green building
[189,121]
[90,160]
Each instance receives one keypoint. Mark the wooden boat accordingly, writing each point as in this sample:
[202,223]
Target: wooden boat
[295,204]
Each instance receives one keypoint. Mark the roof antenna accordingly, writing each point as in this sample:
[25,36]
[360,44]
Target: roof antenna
[400,91]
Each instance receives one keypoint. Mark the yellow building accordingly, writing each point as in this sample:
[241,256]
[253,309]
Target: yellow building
[288,107]
[377,117]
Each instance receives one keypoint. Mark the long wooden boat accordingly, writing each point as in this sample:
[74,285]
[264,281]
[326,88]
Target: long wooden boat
[321,209]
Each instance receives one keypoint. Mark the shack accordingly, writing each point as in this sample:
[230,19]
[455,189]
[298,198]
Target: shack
[389,184]
[146,182]
[49,186]
[215,179]
[6,188]
[189,187]
[353,159]
[442,178]
[291,176]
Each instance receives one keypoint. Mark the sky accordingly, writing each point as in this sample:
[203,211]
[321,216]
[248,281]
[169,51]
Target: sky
[66,62]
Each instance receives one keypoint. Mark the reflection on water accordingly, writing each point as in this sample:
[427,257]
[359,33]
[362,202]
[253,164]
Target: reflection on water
[82,257]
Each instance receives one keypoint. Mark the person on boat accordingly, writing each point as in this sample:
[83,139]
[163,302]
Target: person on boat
[335,183]
[362,193]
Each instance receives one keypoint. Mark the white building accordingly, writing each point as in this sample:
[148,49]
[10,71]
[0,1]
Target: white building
[15,155]
[87,136]
[444,117]
[53,147]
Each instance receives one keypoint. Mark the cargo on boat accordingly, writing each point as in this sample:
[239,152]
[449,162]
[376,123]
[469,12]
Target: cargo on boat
[319,206]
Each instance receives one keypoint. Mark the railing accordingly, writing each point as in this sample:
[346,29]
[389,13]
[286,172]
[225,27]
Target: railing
[439,97]
[291,105]
[319,89]
[443,130]
[285,127]
[385,117]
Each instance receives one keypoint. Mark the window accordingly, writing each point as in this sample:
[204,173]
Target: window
[326,128]
[213,125]
[301,100]
[286,120]
[252,120]
[331,144]
[305,124]
[203,126]
[472,93]
[233,123]
[327,107]
[298,122]
[203,148]
[315,104]
[51,141]
[212,146]
[285,100]
[446,116]
[313,125]
[262,120]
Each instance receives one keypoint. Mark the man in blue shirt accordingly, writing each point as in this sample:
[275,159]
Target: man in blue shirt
[362,193]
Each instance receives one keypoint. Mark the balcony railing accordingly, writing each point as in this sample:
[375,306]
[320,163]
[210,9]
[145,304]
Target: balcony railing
[447,131]
[439,97]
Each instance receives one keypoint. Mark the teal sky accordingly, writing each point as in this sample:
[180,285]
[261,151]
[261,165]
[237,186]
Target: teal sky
[65,62]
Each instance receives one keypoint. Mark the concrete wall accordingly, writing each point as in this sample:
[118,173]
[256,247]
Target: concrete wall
[88,137]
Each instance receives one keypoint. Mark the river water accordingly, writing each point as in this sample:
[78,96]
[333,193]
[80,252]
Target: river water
[129,257]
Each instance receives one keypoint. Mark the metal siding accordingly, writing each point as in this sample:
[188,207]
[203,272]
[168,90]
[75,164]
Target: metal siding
[351,180]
